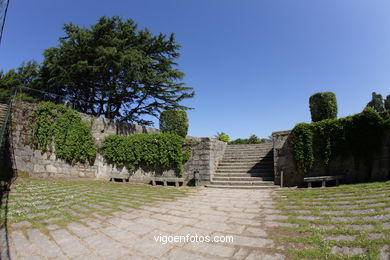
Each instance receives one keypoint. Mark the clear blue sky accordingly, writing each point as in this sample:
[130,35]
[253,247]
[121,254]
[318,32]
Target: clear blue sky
[252,63]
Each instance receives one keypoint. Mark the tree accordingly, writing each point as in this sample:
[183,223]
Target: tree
[253,139]
[26,75]
[323,105]
[174,122]
[115,70]
[376,102]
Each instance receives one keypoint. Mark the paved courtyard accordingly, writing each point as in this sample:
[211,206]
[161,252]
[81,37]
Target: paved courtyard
[64,219]
[131,233]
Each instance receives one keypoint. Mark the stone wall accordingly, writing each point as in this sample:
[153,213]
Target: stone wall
[206,154]
[353,170]
[284,161]
[206,151]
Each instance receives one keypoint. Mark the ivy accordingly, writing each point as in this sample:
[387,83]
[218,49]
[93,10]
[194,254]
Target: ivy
[302,143]
[166,151]
[320,142]
[62,128]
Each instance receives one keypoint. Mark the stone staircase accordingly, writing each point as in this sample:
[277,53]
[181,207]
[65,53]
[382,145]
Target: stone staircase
[3,113]
[249,166]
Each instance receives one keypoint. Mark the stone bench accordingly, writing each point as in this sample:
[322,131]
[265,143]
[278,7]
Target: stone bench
[166,180]
[324,179]
[124,178]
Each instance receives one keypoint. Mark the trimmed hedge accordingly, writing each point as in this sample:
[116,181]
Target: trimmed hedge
[165,151]
[174,122]
[323,105]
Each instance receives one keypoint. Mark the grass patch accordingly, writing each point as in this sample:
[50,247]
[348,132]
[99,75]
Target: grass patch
[42,202]
[348,221]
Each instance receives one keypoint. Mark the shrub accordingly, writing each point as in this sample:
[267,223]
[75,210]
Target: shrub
[253,139]
[63,127]
[222,137]
[323,105]
[151,150]
[174,122]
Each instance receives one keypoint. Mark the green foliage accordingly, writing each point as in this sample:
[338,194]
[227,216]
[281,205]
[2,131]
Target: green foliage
[376,102]
[26,75]
[62,127]
[387,103]
[116,70]
[323,105]
[174,122]
[302,142]
[253,139]
[152,150]
[222,137]
[358,135]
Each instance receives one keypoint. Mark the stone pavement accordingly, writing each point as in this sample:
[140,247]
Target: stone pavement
[245,215]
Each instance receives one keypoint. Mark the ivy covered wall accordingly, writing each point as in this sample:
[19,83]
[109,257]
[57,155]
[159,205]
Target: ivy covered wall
[40,161]
[355,171]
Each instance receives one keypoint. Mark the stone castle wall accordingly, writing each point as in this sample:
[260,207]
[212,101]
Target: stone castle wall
[205,151]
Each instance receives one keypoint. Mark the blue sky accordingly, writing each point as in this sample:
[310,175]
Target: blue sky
[253,63]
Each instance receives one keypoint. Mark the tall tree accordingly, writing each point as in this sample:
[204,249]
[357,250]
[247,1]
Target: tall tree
[116,70]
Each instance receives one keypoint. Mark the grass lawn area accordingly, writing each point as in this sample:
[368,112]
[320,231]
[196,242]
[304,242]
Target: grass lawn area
[40,202]
[344,222]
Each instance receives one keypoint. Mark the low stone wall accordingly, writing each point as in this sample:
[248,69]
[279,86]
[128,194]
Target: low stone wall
[354,171]
[206,152]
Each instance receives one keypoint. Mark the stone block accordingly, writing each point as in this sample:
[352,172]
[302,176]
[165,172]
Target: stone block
[39,168]
[51,169]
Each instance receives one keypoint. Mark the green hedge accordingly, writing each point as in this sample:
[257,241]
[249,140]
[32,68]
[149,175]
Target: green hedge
[323,105]
[358,135]
[63,127]
[165,151]
[174,122]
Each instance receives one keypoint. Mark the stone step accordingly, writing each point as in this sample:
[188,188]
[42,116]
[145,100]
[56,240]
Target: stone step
[243,178]
[249,150]
[241,187]
[241,146]
[246,157]
[244,160]
[251,154]
[242,183]
[245,166]
[244,174]
[261,170]
[255,170]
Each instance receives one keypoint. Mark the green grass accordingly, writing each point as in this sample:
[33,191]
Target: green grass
[343,211]
[41,202]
